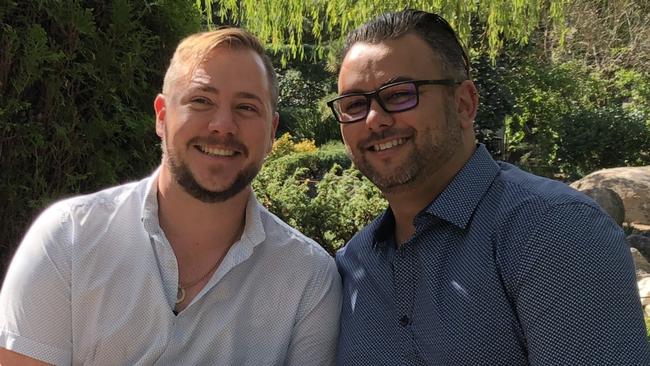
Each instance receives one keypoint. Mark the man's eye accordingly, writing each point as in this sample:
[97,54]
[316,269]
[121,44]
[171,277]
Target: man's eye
[399,96]
[201,100]
[248,108]
[355,105]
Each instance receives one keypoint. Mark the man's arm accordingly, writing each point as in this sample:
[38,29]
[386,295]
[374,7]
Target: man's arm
[35,311]
[10,358]
[315,334]
[576,296]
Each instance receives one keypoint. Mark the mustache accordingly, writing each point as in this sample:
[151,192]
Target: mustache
[375,137]
[229,142]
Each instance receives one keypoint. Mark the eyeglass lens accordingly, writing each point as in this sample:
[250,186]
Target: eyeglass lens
[394,98]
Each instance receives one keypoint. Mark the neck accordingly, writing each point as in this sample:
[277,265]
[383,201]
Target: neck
[194,227]
[407,201]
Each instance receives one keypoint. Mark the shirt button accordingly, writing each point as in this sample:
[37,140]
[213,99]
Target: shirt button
[404,320]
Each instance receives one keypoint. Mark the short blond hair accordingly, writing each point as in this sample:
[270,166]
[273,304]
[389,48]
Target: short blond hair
[194,50]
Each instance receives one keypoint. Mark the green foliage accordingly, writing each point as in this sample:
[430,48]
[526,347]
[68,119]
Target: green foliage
[570,120]
[320,194]
[285,145]
[303,112]
[283,23]
[609,137]
[77,81]
[495,103]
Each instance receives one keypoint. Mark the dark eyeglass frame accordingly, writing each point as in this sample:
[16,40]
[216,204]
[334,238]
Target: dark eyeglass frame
[375,95]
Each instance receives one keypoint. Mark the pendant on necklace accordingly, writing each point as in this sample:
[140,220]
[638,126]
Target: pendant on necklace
[180,295]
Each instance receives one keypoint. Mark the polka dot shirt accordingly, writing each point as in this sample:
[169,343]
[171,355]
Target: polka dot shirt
[505,268]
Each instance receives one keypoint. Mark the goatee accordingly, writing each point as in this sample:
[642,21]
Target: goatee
[182,174]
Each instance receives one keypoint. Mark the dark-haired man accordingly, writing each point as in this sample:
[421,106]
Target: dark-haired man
[475,262]
[184,267]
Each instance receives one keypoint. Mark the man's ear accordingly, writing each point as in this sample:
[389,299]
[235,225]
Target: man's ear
[274,127]
[466,103]
[161,111]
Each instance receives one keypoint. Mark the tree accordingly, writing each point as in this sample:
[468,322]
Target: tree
[607,34]
[283,23]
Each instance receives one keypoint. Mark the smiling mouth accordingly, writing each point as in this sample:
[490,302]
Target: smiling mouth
[387,145]
[215,151]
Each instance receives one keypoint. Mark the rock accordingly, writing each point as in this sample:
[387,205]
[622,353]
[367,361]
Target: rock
[644,294]
[641,243]
[609,201]
[641,264]
[642,267]
[632,184]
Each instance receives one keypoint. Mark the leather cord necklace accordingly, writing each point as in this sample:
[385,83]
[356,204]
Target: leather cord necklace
[180,294]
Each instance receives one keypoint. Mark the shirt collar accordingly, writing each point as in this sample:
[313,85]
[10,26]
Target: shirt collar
[456,203]
[252,235]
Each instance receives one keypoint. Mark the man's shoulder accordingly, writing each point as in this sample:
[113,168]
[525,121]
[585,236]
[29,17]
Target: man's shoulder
[524,204]
[107,198]
[519,188]
[89,209]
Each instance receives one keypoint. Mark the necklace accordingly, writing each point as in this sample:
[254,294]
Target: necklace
[180,294]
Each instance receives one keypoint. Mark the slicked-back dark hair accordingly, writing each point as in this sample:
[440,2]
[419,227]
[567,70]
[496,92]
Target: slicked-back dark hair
[432,28]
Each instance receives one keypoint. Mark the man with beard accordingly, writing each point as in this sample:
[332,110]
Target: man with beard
[475,262]
[184,267]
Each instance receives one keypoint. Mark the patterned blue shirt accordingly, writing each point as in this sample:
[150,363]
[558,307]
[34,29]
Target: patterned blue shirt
[505,268]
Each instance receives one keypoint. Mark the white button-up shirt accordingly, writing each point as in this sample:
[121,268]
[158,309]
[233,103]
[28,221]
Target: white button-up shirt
[95,280]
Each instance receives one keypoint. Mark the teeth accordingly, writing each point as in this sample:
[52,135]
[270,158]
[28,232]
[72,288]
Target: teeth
[216,152]
[388,145]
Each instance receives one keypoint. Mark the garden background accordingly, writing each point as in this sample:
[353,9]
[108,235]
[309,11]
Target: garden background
[564,86]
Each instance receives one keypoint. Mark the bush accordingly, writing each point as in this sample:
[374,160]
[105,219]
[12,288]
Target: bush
[603,138]
[77,81]
[319,193]
[570,120]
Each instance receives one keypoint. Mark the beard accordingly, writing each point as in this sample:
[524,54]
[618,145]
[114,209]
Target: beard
[182,174]
[435,148]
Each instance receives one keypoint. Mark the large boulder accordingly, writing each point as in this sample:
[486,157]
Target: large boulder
[632,184]
[644,294]
[642,266]
[640,242]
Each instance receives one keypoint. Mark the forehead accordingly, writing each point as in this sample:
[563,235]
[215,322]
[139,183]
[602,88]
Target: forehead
[367,66]
[227,69]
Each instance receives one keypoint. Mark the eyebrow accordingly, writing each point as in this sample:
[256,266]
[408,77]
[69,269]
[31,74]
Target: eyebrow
[392,80]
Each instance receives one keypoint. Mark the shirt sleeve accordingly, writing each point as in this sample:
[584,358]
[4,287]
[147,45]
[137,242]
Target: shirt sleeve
[316,331]
[576,295]
[35,299]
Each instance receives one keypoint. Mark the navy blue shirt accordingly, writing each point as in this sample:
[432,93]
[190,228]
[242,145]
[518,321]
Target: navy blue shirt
[505,268]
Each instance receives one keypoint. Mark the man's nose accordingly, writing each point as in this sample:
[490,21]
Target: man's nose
[223,122]
[377,118]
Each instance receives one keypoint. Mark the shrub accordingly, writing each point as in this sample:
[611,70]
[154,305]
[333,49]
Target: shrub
[570,120]
[603,138]
[319,193]
[284,145]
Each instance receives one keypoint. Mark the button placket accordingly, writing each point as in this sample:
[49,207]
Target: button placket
[404,282]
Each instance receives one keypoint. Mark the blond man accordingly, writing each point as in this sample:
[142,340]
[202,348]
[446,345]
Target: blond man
[184,267]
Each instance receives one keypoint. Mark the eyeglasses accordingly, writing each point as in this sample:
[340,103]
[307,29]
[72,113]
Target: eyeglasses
[395,97]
